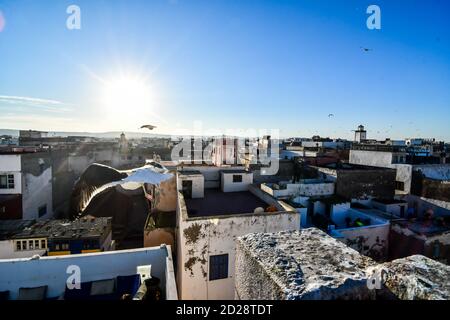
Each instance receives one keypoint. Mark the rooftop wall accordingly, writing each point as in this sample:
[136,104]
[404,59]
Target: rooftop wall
[52,271]
[371,158]
[310,265]
[299,265]
[307,187]
[366,183]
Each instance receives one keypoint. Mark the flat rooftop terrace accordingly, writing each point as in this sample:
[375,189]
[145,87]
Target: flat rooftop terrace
[216,202]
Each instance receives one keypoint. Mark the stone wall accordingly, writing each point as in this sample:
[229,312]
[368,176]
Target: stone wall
[299,265]
[310,265]
[416,278]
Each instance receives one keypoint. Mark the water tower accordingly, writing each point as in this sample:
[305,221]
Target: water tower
[360,134]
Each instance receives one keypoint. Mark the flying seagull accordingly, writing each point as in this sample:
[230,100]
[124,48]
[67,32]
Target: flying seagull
[98,178]
[365,49]
[103,191]
[148,126]
[330,115]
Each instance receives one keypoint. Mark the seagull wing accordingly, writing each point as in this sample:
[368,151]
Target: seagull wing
[148,126]
[95,179]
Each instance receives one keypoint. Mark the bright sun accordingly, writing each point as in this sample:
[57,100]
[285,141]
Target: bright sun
[128,94]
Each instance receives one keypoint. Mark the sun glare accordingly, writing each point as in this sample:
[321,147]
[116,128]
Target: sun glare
[126,94]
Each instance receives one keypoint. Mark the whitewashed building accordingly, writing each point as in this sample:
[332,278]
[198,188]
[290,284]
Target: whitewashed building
[207,228]
[25,184]
[102,275]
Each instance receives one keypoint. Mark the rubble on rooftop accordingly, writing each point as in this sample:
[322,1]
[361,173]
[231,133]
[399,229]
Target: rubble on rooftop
[417,278]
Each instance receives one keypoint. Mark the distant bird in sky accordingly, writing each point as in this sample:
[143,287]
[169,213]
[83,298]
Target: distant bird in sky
[366,49]
[330,115]
[148,126]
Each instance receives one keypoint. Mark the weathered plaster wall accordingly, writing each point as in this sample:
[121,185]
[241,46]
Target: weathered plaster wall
[352,184]
[371,158]
[156,237]
[166,196]
[383,159]
[37,185]
[404,174]
[372,241]
[302,189]
[37,192]
[316,189]
[198,184]
[227,184]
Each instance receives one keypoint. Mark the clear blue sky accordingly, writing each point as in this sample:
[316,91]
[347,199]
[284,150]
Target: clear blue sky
[231,64]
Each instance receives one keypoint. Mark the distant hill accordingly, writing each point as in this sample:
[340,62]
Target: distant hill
[109,134]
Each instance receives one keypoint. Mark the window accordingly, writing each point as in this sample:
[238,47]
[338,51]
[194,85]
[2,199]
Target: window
[7,181]
[18,245]
[31,245]
[436,250]
[399,185]
[42,211]
[237,178]
[65,246]
[218,267]
[43,244]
